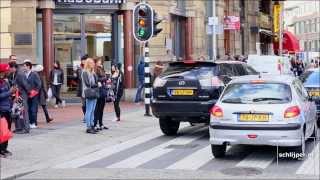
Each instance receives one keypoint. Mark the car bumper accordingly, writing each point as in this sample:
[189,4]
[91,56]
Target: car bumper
[162,108]
[273,135]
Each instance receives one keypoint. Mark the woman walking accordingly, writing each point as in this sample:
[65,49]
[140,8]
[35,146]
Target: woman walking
[56,81]
[117,80]
[90,93]
[101,101]
[43,96]
[5,105]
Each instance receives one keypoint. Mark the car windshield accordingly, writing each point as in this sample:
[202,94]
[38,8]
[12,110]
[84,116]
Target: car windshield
[260,93]
[311,78]
[195,70]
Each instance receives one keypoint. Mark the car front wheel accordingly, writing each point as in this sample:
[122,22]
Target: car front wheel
[218,151]
[168,126]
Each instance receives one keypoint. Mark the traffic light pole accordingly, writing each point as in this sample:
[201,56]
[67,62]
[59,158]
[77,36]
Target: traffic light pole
[147,79]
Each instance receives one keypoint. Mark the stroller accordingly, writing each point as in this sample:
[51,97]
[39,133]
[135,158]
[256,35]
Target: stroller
[17,113]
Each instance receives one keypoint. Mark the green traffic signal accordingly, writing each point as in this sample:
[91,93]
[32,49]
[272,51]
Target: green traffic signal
[141,32]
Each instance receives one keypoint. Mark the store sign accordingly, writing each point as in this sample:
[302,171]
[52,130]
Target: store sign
[276,18]
[89,2]
[231,22]
[23,39]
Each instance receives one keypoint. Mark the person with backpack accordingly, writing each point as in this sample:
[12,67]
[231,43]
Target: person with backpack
[5,105]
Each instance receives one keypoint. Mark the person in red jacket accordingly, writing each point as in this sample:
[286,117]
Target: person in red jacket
[5,105]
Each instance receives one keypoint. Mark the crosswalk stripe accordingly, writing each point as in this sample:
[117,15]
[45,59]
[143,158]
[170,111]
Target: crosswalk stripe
[311,166]
[111,150]
[145,156]
[195,160]
[257,160]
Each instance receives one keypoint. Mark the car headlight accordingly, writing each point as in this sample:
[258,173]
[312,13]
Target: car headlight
[158,82]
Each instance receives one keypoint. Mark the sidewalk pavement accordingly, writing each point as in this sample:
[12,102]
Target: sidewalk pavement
[65,138]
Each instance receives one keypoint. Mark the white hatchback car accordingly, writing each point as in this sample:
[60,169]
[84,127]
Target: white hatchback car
[263,110]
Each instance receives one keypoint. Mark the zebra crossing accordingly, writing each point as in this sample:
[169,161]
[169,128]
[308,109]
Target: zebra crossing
[191,150]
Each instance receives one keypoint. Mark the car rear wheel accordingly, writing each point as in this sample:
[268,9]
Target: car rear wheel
[168,126]
[218,151]
[302,148]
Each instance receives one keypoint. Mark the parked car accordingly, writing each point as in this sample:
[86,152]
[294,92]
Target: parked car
[263,110]
[187,90]
[311,81]
[270,64]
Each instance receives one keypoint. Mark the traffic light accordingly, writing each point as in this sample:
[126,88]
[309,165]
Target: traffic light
[156,21]
[143,22]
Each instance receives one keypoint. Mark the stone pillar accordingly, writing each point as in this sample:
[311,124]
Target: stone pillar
[128,49]
[48,55]
[189,36]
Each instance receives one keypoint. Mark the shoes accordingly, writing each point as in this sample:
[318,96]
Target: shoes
[2,155]
[56,106]
[118,119]
[95,129]
[49,120]
[103,128]
[91,131]
[33,126]
[21,132]
[6,153]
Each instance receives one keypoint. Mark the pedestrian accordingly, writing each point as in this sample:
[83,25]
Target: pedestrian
[43,95]
[117,80]
[34,82]
[300,67]
[56,81]
[140,71]
[101,101]
[18,78]
[90,91]
[80,88]
[5,105]
[13,58]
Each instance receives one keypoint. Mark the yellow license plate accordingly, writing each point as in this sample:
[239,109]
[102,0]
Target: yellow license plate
[182,92]
[254,117]
[314,93]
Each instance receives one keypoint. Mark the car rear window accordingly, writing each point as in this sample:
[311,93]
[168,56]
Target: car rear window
[257,93]
[195,70]
[311,78]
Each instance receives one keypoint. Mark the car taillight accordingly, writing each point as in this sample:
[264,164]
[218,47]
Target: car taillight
[291,112]
[216,111]
[208,82]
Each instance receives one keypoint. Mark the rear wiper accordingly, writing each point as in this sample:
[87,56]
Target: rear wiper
[266,99]
[232,100]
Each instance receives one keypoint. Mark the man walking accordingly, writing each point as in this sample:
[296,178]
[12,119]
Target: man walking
[17,78]
[140,71]
[34,81]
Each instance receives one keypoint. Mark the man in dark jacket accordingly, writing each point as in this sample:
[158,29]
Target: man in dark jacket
[5,105]
[18,79]
[34,81]
[140,71]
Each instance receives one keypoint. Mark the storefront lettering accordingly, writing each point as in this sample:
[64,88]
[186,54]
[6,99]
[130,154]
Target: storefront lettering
[88,2]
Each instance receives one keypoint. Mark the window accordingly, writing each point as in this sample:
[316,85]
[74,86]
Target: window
[303,27]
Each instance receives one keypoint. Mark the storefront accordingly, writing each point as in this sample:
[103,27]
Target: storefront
[79,27]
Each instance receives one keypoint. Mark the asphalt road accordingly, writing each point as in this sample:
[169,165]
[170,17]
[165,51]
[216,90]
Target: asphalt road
[136,149]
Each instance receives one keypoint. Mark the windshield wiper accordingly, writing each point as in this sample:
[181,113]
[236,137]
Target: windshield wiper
[266,99]
[232,100]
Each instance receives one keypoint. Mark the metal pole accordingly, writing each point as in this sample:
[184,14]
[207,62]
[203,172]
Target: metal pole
[214,47]
[147,80]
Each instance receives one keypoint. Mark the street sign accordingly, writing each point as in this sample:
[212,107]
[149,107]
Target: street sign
[213,21]
[142,22]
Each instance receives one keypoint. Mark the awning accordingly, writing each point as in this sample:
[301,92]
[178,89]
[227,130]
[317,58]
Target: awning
[290,43]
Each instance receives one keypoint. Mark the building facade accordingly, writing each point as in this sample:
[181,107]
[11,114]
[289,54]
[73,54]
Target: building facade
[303,19]
[63,30]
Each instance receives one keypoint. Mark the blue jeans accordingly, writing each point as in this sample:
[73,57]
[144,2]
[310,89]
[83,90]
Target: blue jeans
[89,116]
[139,91]
[33,109]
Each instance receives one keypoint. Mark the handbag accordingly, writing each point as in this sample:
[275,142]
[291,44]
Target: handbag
[5,133]
[110,96]
[49,93]
[91,93]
